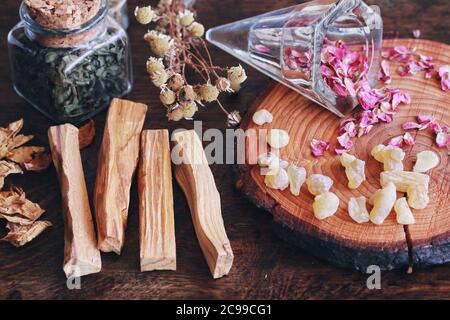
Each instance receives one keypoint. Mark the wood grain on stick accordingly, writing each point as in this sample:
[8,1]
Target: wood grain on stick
[117,163]
[156,217]
[81,256]
[195,178]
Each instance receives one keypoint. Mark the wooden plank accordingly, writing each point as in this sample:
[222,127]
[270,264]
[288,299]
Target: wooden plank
[156,217]
[195,178]
[81,256]
[117,162]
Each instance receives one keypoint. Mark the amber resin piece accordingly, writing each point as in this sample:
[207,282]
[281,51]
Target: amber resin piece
[81,256]
[117,163]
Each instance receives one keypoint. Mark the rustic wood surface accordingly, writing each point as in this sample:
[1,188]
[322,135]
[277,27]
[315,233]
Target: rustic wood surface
[339,239]
[265,267]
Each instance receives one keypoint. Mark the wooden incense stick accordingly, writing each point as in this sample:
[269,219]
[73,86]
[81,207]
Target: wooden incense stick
[117,163]
[195,178]
[156,217]
[81,256]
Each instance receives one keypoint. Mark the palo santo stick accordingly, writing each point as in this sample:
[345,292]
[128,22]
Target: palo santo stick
[81,256]
[195,178]
[117,163]
[156,218]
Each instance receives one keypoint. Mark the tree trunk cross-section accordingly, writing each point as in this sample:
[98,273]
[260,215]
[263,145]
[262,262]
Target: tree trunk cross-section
[156,217]
[117,162]
[81,256]
[195,178]
[338,239]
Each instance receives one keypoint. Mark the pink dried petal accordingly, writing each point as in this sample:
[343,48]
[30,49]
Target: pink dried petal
[408,139]
[340,151]
[396,142]
[410,125]
[350,86]
[368,98]
[436,127]
[345,141]
[318,147]
[442,140]
[444,74]
[262,48]
[400,97]
[425,119]
[349,128]
[385,72]
[416,33]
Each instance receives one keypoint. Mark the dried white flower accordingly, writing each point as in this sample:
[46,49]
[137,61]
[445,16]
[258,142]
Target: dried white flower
[144,15]
[186,17]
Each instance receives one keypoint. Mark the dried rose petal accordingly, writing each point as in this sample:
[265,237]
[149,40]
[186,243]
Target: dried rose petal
[345,141]
[408,139]
[385,72]
[396,142]
[262,48]
[416,33]
[318,147]
[444,74]
[410,125]
[442,140]
[425,119]
[86,134]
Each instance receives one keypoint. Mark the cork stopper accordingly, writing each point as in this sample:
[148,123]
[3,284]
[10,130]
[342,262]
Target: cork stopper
[62,14]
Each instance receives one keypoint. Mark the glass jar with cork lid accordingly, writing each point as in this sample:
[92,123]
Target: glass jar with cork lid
[69,58]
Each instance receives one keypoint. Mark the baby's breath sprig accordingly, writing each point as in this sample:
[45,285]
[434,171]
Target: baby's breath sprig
[177,45]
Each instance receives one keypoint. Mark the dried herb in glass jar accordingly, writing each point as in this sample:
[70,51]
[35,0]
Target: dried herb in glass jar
[70,74]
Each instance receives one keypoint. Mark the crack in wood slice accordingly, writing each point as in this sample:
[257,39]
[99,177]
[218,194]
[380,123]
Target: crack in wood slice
[195,178]
[339,239]
[117,163]
[156,216]
[81,256]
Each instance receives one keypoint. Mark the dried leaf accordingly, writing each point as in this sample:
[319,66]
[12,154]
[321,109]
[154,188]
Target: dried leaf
[15,207]
[25,154]
[20,235]
[7,168]
[86,134]
[40,162]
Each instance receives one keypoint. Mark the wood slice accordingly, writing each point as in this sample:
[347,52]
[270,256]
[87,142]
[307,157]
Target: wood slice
[338,239]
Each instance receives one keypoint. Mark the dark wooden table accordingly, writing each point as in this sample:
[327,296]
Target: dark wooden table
[265,267]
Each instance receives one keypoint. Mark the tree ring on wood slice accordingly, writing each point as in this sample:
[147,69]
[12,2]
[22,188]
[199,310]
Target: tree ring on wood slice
[338,239]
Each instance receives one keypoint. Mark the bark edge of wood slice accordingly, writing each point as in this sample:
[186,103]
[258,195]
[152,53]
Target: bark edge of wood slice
[339,240]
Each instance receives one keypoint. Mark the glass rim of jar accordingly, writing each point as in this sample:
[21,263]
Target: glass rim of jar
[35,27]
[119,4]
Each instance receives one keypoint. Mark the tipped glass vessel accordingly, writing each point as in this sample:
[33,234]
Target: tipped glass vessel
[265,42]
